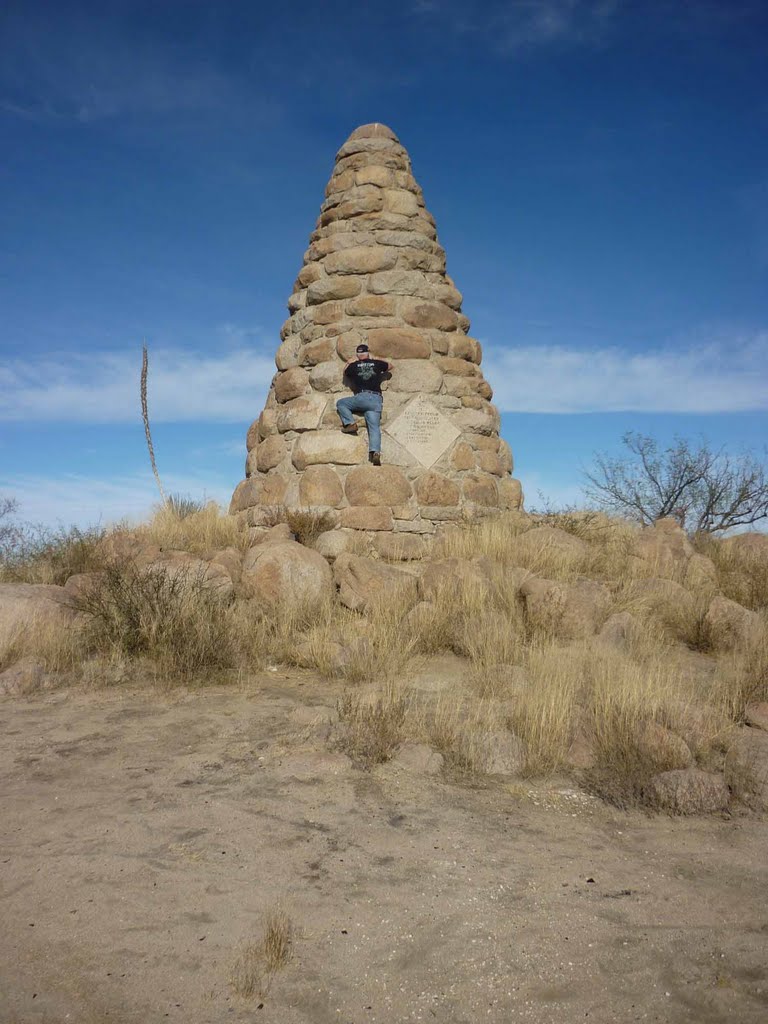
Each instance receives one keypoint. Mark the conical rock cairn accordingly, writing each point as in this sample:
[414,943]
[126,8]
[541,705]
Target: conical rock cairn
[375,273]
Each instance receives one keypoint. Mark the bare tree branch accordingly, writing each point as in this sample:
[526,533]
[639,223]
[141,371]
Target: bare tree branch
[708,489]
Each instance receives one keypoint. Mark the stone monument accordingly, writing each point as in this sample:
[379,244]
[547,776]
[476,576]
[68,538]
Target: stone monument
[375,273]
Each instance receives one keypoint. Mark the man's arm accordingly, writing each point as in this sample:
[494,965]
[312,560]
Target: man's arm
[380,360]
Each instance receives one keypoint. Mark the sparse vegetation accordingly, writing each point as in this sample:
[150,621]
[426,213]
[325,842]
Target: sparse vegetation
[257,962]
[524,687]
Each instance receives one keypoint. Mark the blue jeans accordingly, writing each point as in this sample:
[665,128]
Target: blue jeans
[369,404]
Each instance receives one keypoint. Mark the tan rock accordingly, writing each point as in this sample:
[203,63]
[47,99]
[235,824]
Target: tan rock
[246,494]
[510,494]
[418,758]
[688,791]
[436,489]
[552,538]
[756,715]
[376,485]
[700,573]
[288,353]
[304,413]
[335,287]
[327,313]
[286,574]
[320,485]
[400,282]
[398,343]
[505,454]
[327,376]
[415,376]
[490,463]
[663,545]
[481,421]
[371,305]
[746,768]
[462,457]
[730,625]
[268,420]
[374,175]
[361,260]
[271,452]
[333,543]
[365,582]
[450,574]
[457,367]
[252,437]
[401,547]
[315,352]
[273,488]
[328,446]
[362,517]
[25,677]
[291,383]
[231,560]
[663,747]
[480,489]
[346,343]
[571,611]
[618,631]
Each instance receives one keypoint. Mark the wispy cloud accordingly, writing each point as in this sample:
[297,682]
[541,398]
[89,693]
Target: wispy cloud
[723,376]
[230,386]
[511,26]
[73,498]
[61,64]
[104,387]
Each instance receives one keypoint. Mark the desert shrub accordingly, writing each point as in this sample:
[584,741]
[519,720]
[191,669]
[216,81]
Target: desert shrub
[200,531]
[256,962]
[168,617]
[742,675]
[307,524]
[37,554]
[57,646]
[543,713]
[271,634]
[742,574]
[371,732]
[183,505]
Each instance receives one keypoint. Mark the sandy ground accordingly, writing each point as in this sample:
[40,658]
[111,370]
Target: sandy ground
[145,836]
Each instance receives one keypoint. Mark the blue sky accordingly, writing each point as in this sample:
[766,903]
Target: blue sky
[598,170]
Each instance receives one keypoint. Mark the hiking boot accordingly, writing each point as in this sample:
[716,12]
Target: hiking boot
[374,458]
[349,428]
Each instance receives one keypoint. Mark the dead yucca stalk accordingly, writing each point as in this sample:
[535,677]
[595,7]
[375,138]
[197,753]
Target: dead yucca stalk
[145,417]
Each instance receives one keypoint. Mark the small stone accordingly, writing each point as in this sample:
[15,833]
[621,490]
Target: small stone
[418,758]
[746,768]
[756,715]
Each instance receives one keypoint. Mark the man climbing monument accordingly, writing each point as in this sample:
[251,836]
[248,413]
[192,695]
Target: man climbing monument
[364,374]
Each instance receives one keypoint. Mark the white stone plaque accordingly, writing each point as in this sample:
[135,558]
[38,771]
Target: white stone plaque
[423,431]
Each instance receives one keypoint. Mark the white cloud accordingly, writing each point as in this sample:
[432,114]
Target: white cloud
[714,378]
[104,387]
[83,501]
[231,386]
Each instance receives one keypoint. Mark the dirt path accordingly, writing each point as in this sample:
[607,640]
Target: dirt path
[144,837]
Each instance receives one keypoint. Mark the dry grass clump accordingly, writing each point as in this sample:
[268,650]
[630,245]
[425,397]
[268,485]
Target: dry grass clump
[56,646]
[742,574]
[371,732]
[197,530]
[307,524]
[33,554]
[742,675]
[257,961]
[463,729]
[168,617]
[512,540]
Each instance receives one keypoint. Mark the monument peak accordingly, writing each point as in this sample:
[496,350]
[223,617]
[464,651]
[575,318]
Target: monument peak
[374,274]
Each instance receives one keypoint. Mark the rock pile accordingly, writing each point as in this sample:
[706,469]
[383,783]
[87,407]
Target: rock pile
[375,273]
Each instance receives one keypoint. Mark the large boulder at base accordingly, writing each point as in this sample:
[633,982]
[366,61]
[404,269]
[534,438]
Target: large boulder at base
[746,768]
[29,604]
[664,546]
[688,791]
[568,610]
[364,582]
[286,573]
[192,573]
[729,624]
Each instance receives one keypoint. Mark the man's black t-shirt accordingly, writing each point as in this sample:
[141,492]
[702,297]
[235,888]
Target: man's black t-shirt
[366,375]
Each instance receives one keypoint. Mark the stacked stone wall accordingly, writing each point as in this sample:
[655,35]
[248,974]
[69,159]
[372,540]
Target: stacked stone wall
[375,272]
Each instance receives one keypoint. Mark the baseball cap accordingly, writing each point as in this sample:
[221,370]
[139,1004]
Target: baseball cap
[361,348]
